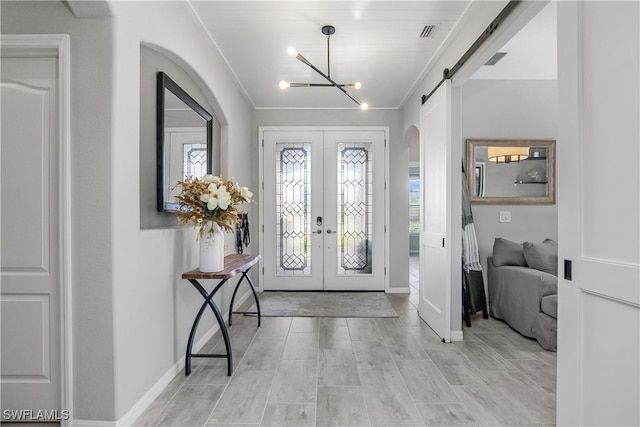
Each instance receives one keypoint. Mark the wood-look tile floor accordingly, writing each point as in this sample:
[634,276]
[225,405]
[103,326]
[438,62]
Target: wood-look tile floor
[363,372]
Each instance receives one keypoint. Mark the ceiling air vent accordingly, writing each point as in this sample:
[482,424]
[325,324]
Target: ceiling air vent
[495,58]
[429,30]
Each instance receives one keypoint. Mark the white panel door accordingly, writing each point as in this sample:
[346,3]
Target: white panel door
[599,214]
[30,294]
[435,256]
[321,231]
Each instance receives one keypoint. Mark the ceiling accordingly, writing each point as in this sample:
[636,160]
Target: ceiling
[377,43]
[531,54]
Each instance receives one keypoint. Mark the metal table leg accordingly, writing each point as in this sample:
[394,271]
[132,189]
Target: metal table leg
[223,328]
[255,296]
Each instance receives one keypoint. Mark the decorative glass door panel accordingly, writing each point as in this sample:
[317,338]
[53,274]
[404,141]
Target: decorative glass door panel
[195,160]
[354,203]
[293,208]
[320,190]
[292,202]
[355,209]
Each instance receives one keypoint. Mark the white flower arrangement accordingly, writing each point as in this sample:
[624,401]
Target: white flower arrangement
[211,199]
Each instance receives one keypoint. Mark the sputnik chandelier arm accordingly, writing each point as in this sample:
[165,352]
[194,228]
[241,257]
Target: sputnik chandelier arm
[327,30]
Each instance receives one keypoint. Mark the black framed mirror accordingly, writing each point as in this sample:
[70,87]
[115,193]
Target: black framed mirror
[184,135]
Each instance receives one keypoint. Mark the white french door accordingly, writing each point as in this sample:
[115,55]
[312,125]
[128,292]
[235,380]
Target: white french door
[323,209]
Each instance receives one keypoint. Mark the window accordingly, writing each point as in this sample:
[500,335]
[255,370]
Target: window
[414,199]
[195,160]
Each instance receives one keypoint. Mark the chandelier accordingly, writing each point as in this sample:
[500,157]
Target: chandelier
[507,154]
[327,30]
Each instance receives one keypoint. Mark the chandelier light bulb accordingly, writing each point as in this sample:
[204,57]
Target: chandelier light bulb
[284,84]
[292,51]
[364,106]
[357,85]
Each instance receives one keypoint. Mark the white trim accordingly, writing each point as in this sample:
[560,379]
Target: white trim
[456,336]
[260,204]
[406,290]
[387,213]
[147,399]
[60,45]
[91,423]
[355,108]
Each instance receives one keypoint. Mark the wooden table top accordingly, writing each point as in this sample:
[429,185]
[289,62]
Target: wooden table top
[233,264]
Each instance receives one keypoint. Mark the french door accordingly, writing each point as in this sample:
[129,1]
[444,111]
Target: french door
[323,209]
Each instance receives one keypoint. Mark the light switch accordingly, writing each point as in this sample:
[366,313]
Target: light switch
[505,216]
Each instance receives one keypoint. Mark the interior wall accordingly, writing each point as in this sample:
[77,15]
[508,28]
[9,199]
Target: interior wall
[413,138]
[91,160]
[519,109]
[151,62]
[398,268]
[153,306]
[131,310]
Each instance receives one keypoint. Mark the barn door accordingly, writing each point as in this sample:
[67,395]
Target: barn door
[435,255]
[598,214]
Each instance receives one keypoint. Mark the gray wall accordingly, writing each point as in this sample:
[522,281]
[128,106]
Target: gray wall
[131,310]
[153,307]
[398,169]
[520,109]
[91,133]
[151,62]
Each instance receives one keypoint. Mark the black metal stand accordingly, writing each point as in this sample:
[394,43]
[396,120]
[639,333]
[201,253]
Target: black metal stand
[466,300]
[208,300]
[255,296]
[237,264]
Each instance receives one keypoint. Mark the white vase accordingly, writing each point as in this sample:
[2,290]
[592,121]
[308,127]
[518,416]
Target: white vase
[212,250]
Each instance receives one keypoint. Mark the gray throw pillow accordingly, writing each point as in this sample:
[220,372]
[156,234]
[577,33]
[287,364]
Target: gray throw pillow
[542,256]
[506,252]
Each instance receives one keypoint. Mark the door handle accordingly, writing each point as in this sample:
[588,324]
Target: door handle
[318,231]
[329,231]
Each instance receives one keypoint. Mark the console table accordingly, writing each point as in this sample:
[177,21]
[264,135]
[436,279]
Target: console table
[233,265]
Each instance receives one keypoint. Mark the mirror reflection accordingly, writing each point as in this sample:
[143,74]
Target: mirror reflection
[511,171]
[184,140]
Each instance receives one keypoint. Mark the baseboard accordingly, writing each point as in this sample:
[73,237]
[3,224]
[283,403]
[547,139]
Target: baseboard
[406,290]
[90,423]
[147,399]
[456,336]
